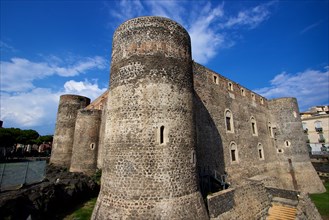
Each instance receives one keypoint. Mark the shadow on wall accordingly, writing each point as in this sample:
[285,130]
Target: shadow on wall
[210,155]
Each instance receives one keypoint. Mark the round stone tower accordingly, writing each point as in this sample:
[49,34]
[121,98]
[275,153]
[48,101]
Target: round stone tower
[293,163]
[85,144]
[149,169]
[290,137]
[63,138]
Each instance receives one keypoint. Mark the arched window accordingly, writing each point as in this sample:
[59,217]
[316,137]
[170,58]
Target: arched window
[230,86]
[253,96]
[229,121]
[215,79]
[243,92]
[253,126]
[261,100]
[260,151]
[234,152]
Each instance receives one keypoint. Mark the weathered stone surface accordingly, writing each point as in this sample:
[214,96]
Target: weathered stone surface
[65,125]
[149,169]
[60,191]
[86,139]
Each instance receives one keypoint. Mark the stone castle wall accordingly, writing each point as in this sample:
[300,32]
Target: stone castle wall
[164,119]
[215,142]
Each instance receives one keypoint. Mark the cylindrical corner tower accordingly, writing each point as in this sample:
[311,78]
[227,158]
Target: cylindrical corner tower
[149,169]
[294,167]
[290,138]
[85,145]
[63,138]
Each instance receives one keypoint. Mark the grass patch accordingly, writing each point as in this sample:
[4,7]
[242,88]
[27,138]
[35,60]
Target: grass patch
[321,201]
[83,212]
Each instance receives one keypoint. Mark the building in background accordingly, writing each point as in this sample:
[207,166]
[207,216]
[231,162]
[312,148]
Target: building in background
[316,126]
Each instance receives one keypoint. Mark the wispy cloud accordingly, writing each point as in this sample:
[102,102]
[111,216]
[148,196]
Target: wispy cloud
[308,28]
[249,18]
[209,28]
[310,87]
[6,47]
[28,71]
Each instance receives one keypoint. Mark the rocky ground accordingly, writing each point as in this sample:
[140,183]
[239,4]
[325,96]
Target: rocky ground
[60,191]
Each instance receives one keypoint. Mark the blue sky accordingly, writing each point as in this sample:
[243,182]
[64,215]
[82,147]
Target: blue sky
[50,48]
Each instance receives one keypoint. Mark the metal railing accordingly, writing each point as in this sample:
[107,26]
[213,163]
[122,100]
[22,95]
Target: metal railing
[15,175]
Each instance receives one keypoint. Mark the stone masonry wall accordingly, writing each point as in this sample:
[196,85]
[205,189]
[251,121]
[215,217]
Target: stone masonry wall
[213,97]
[86,139]
[65,126]
[250,201]
[293,165]
[149,169]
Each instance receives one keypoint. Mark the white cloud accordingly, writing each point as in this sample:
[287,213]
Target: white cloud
[38,107]
[85,88]
[310,87]
[209,29]
[27,71]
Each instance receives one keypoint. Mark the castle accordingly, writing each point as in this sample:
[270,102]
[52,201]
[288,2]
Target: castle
[169,131]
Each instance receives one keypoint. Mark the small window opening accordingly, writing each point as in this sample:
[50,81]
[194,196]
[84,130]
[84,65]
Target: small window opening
[253,96]
[243,93]
[260,153]
[92,146]
[215,80]
[280,150]
[161,134]
[233,155]
[287,143]
[230,86]
[228,123]
[261,100]
[253,128]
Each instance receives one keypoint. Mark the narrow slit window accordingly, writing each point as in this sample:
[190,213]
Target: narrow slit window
[228,123]
[253,128]
[233,155]
[234,152]
[260,153]
[162,134]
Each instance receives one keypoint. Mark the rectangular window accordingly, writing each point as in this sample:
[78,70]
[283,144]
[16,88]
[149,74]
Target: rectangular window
[233,155]
[228,123]
[161,134]
[253,128]
[260,153]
